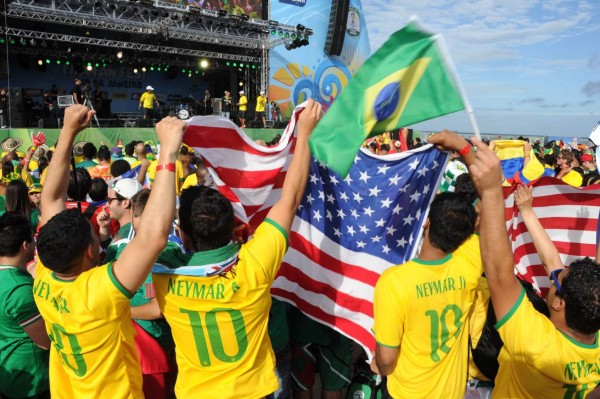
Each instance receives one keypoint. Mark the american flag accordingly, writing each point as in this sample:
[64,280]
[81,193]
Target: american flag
[348,231]
[570,217]
[246,173]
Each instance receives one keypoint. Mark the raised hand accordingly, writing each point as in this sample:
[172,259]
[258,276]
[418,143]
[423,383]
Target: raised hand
[39,139]
[309,117]
[523,198]
[77,118]
[485,170]
[447,141]
[170,133]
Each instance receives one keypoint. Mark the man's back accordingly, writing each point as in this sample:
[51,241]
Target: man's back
[89,322]
[422,307]
[223,317]
[539,361]
[24,365]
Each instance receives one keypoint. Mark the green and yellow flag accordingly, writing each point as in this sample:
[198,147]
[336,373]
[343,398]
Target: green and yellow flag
[405,82]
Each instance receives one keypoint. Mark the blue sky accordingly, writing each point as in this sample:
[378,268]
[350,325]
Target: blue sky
[527,66]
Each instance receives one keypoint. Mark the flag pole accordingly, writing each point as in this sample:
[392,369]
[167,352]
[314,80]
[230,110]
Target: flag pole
[439,39]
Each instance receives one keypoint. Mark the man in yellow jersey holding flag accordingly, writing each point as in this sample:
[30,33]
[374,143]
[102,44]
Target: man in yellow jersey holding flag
[86,308]
[556,357]
[216,299]
[421,307]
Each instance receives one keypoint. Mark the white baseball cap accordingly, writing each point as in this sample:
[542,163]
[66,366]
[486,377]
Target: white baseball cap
[149,88]
[241,91]
[262,92]
[127,187]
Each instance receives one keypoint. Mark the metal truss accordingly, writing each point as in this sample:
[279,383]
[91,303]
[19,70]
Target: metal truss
[125,45]
[264,73]
[207,35]
[137,62]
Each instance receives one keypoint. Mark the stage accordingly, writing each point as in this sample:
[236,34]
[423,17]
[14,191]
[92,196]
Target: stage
[110,136]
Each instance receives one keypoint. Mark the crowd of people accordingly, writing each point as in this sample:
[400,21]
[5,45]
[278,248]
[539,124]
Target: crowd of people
[123,274]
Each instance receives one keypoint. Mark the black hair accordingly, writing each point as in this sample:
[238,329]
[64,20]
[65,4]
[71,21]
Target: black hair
[7,168]
[17,198]
[129,148]
[550,159]
[451,221]
[84,182]
[465,187]
[206,216]
[43,163]
[384,147]
[89,151]
[14,230]
[98,189]
[63,240]
[118,167]
[103,153]
[580,289]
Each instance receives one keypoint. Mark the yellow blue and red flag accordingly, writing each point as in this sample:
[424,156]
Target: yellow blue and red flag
[405,82]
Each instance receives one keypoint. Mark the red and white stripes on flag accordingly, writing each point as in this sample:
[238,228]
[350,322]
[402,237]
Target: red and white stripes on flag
[248,174]
[570,217]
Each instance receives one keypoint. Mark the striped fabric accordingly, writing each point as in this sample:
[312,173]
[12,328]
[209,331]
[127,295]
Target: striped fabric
[246,173]
[570,217]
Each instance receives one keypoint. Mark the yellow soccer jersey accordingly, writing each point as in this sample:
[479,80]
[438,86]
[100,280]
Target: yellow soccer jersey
[220,323]
[538,361]
[179,177]
[477,319]
[421,307]
[243,103]
[88,320]
[148,99]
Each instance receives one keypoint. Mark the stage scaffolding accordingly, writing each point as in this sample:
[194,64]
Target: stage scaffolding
[147,30]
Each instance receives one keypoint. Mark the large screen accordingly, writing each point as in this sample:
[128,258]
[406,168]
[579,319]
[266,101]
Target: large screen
[251,8]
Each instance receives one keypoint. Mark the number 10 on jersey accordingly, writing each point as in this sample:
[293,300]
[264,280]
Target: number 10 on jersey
[208,331]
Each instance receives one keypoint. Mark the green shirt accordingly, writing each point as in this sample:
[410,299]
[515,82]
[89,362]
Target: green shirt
[23,364]
[159,328]
[119,241]
[86,164]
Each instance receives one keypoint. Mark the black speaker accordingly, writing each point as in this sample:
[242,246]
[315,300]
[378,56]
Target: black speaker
[144,123]
[281,125]
[255,124]
[338,18]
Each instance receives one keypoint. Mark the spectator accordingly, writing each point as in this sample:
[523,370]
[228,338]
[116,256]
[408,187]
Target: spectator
[234,291]
[24,342]
[89,152]
[412,349]
[93,327]
[540,355]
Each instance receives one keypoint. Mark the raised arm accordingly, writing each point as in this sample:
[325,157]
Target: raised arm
[77,118]
[295,179]
[542,242]
[496,252]
[450,141]
[138,257]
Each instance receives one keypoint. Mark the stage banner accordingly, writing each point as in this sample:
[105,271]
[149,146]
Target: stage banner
[307,72]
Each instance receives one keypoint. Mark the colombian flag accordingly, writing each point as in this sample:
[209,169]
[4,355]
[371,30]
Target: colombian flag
[512,157]
[405,82]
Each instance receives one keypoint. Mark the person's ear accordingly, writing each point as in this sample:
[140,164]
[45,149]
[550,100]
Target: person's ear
[558,304]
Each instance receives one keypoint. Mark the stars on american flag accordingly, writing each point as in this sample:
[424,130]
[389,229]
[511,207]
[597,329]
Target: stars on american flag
[379,207]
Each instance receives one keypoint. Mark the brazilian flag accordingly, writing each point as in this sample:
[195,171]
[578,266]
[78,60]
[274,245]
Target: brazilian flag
[405,82]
